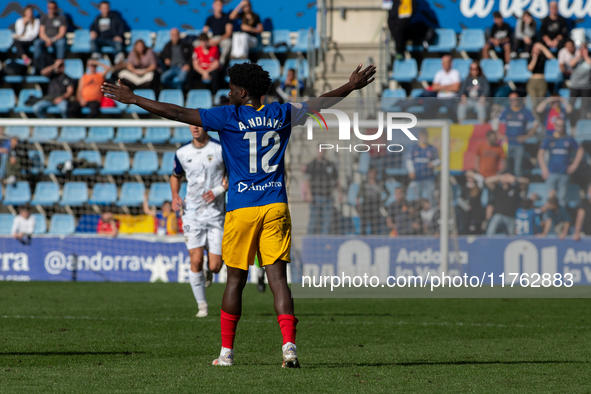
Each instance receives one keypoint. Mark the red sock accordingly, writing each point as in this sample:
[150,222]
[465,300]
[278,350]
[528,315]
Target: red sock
[287,323]
[228,323]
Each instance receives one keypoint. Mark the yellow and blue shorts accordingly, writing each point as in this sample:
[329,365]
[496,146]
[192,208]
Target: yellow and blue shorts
[265,230]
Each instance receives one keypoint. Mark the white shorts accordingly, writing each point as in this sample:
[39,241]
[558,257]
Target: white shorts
[208,234]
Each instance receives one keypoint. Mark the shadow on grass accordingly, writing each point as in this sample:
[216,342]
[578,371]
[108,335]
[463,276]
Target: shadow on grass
[68,353]
[419,363]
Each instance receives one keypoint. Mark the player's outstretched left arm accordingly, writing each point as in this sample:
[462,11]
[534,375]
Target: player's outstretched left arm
[124,94]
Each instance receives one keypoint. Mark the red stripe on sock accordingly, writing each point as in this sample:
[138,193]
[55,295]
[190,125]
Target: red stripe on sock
[228,325]
[287,324]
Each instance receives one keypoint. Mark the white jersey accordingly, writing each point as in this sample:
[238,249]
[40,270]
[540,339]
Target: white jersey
[204,169]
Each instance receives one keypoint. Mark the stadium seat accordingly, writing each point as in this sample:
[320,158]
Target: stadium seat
[7,100]
[40,224]
[74,194]
[159,192]
[74,68]
[214,135]
[18,193]
[100,135]
[145,35]
[145,162]
[445,41]
[128,135]
[146,93]
[463,66]
[352,193]
[552,73]
[156,135]
[541,189]
[36,79]
[37,158]
[118,109]
[583,131]
[518,71]
[162,38]
[81,43]
[14,78]
[87,224]
[21,132]
[364,162]
[390,97]
[303,40]
[280,42]
[219,94]
[104,194]
[183,191]
[272,66]
[44,134]
[167,163]
[57,157]
[23,96]
[132,194]
[182,135]
[46,194]
[6,223]
[6,40]
[471,40]
[92,156]
[429,68]
[172,96]
[391,186]
[62,224]
[573,197]
[405,70]
[72,134]
[199,98]
[302,68]
[116,163]
[493,69]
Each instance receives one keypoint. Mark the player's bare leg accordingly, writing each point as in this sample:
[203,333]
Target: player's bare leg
[214,265]
[197,280]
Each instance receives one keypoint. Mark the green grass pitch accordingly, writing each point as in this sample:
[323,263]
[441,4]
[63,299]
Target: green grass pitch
[110,337]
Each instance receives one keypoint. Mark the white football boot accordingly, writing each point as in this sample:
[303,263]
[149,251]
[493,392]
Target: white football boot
[226,358]
[203,310]
[290,357]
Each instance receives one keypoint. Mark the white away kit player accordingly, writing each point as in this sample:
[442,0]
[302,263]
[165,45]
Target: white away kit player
[204,207]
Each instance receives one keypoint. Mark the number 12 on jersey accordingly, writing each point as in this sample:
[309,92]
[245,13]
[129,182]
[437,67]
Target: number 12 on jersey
[251,136]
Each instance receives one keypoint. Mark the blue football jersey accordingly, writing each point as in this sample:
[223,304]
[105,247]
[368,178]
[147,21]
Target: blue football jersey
[253,146]
[527,222]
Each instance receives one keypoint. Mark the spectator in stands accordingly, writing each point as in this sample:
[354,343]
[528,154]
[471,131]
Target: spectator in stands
[165,220]
[554,30]
[403,216]
[18,162]
[516,118]
[246,39]
[176,56]
[52,33]
[559,167]
[527,219]
[490,157]
[536,86]
[89,94]
[506,200]
[107,225]
[500,37]
[369,202]
[583,221]
[525,36]
[398,22]
[320,181]
[421,160]
[206,68]
[473,92]
[61,88]
[552,108]
[26,31]
[446,85]
[430,217]
[23,226]
[107,30]
[4,152]
[556,219]
[140,71]
[580,81]
[290,89]
[469,210]
[220,26]
[565,56]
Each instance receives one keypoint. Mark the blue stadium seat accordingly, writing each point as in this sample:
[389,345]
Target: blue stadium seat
[44,134]
[390,97]
[463,66]
[128,135]
[232,62]
[74,68]
[183,191]
[14,78]
[162,38]
[146,93]
[6,223]
[191,33]
[40,224]
[182,135]
[583,131]
[541,189]
[103,194]
[118,109]
[74,194]
[445,41]
[352,193]
[302,68]
[573,197]
[156,135]
[493,69]
[199,98]
[132,194]
[219,94]
[272,66]
[303,41]
[280,42]
[471,40]
[391,186]
[18,193]
[100,135]
[214,134]
[145,162]
[81,42]
[7,100]
[518,71]
[564,92]
[23,96]
[72,134]
[552,73]
[37,158]
[116,163]
[364,162]
[405,70]
[87,224]
[6,40]
[57,157]
[46,194]
[172,96]
[145,35]
[36,79]
[159,192]
[21,132]
[167,163]
[429,68]
[92,156]
[62,224]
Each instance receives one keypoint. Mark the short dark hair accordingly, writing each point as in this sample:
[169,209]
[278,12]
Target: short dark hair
[497,14]
[251,77]
[488,133]
[528,203]
[203,37]
[569,40]
[49,2]
[104,2]
[423,131]
[553,201]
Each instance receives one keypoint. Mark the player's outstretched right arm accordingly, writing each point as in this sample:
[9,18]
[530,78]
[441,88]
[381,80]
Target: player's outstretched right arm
[123,94]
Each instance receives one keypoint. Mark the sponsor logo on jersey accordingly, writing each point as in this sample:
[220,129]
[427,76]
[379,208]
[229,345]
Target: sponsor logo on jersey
[242,187]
